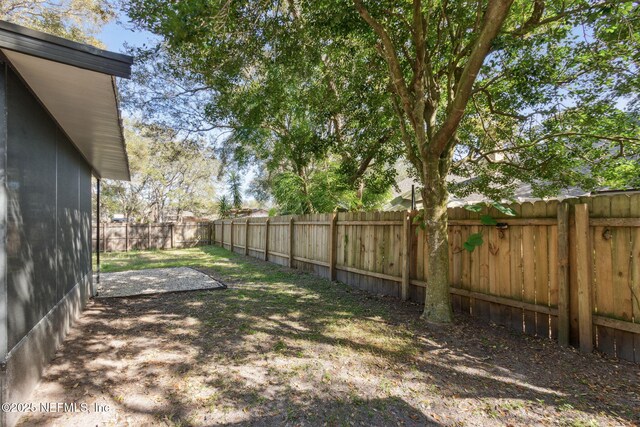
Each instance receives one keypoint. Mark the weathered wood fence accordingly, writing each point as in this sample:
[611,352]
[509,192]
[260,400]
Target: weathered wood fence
[126,237]
[568,271]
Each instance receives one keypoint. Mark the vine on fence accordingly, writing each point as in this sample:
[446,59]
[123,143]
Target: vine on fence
[476,239]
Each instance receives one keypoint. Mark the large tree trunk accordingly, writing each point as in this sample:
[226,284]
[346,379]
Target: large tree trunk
[305,189]
[437,304]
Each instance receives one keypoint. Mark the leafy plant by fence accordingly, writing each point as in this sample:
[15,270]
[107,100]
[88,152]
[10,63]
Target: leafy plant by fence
[568,271]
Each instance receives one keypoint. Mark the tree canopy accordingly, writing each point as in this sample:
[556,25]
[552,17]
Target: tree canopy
[310,124]
[499,91]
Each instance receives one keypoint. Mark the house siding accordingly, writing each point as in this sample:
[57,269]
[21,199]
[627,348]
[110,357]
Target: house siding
[47,245]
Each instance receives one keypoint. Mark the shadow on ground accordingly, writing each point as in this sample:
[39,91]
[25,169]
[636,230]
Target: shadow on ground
[280,347]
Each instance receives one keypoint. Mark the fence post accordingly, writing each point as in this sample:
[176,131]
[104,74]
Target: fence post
[333,229]
[291,242]
[126,237]
[583,277]
[211,233]
[246,237]
[104,236]
[563,274]
[231,236]
[222,234]
[172,236]
[406,247]
[266,240]
[149,236]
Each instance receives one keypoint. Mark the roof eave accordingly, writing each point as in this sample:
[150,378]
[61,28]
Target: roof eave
[24,40]
[120,125]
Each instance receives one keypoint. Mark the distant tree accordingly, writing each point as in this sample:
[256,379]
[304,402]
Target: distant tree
[224,207]
[120,197]
[168,175]
[234,184]
[79,20]
[323,189]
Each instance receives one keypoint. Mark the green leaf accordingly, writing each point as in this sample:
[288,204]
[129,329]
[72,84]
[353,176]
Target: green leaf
[488,220]
[504,209]
[475,239]
[474,208]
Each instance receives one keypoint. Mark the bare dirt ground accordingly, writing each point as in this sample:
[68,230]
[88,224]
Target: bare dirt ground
[283,348]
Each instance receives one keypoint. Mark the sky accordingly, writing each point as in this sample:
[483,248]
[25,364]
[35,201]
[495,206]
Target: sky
[115,34]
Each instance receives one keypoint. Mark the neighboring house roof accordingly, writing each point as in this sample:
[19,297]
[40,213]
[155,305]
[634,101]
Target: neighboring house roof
[76,84]
[249,212]
[524,193]
[258,213]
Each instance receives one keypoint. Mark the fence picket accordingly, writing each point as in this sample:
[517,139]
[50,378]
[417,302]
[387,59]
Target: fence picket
[552,266]
[528,268]
[542,269]
[634,211]
[603,273]
[564,319]
[583,270]
[621,253]
[515,270]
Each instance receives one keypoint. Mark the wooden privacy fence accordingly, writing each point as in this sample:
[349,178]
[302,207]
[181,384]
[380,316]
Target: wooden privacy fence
[126,237]
[568,271]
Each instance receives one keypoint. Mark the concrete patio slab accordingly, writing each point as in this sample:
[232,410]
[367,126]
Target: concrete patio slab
[154,281]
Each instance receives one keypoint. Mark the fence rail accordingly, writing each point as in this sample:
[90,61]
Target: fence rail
[568,271]
[126,237]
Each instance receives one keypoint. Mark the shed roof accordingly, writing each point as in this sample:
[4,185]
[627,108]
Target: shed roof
[76,84]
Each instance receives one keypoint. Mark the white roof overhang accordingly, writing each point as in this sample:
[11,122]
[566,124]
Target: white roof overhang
[76,84]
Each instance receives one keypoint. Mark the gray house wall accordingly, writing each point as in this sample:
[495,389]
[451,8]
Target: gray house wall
[45,213]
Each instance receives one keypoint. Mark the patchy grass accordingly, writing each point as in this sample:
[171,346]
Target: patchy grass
[284,348]
[111,262]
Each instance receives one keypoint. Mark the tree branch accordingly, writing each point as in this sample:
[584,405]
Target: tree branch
[495,15]
[395,70]
[502,113]
[411,154]
[534,19]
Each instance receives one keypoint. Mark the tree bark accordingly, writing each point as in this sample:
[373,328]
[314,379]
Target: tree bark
[305,189]
[437,304]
